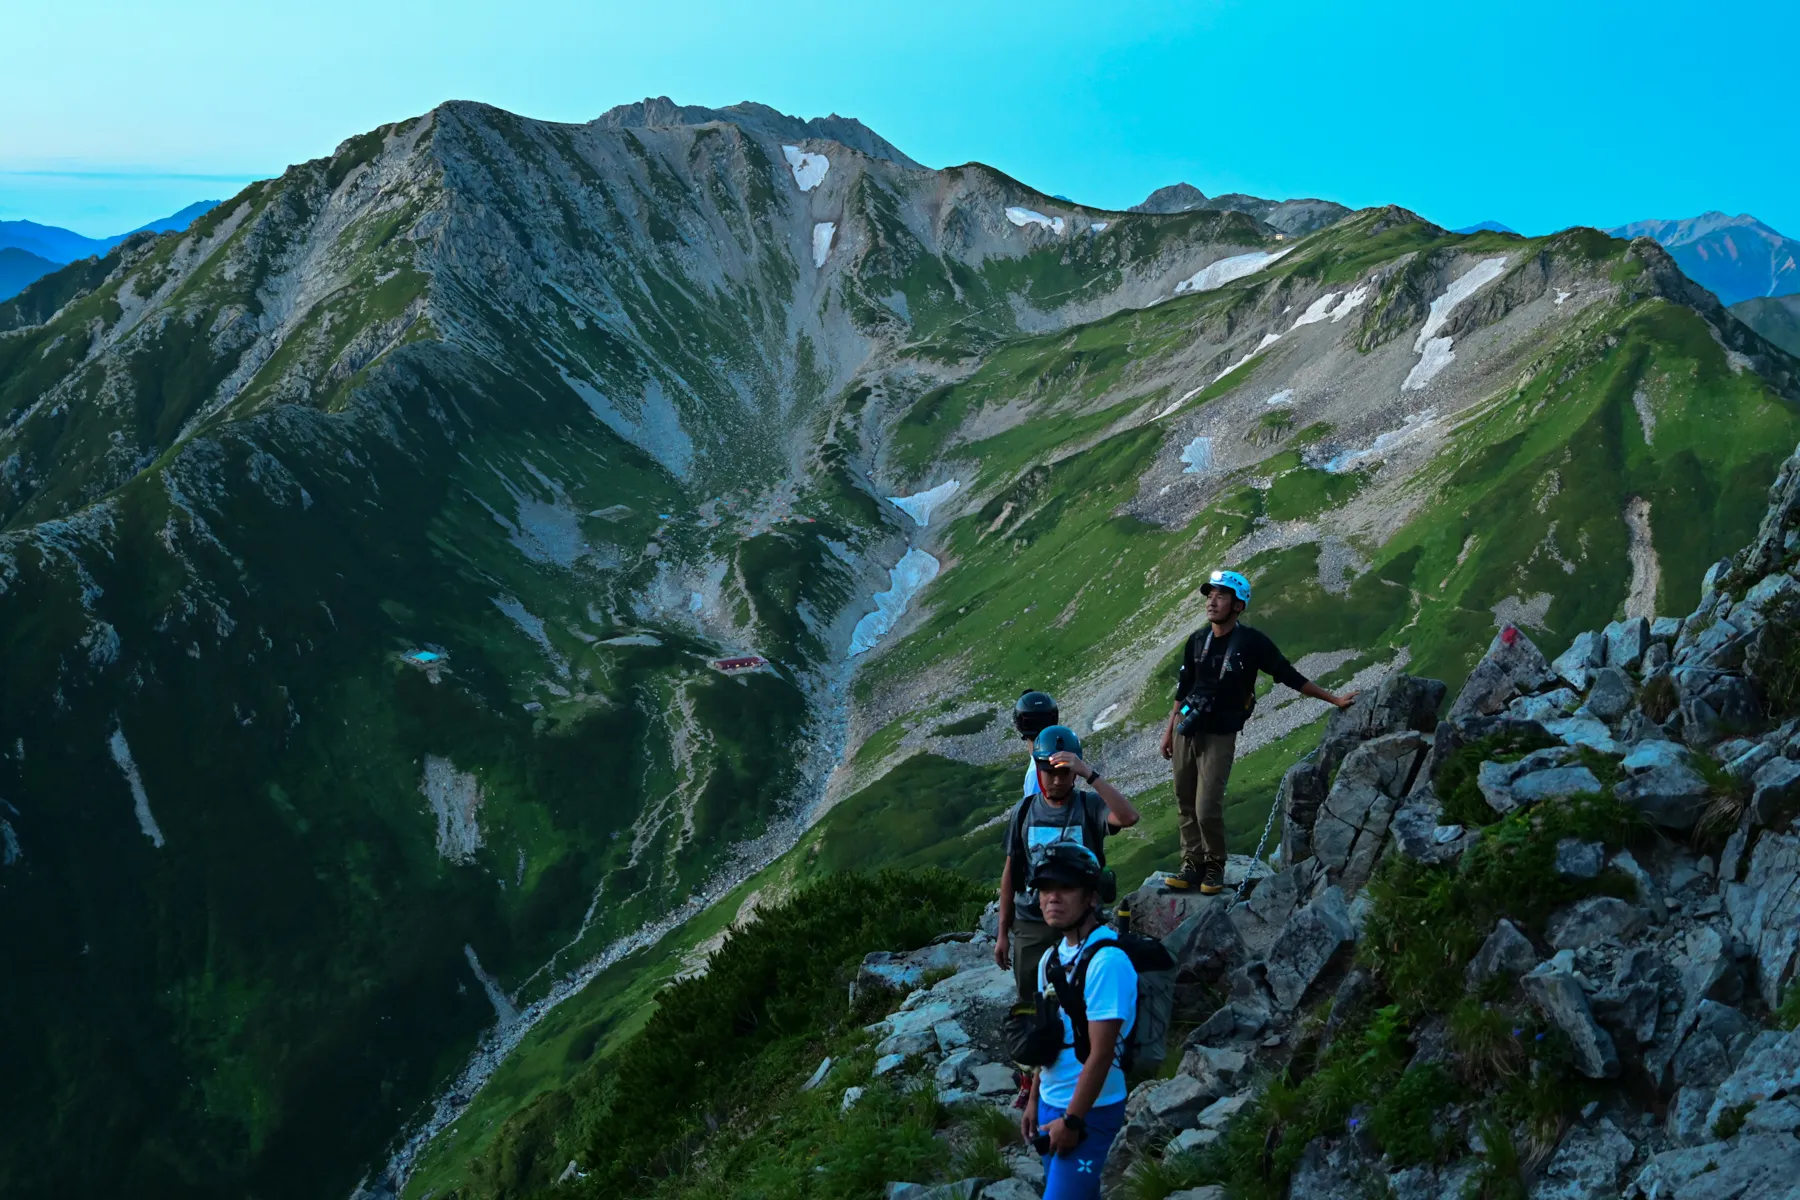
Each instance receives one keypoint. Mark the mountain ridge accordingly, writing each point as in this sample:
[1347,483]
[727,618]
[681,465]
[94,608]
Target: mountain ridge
[1737,258]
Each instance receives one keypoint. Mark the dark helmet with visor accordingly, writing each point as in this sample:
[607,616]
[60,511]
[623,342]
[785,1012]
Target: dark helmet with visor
[1033,712]
[1066,864]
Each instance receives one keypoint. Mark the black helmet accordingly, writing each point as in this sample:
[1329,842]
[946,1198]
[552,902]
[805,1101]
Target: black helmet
[1034,711]
[1053,739]
[1066,864]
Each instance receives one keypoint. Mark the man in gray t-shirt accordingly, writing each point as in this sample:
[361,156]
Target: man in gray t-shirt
[1059,812]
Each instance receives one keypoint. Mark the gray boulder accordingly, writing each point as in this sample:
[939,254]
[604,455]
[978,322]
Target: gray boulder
[1769,1068]
[1651,755]
[1587,1165]
[962,1189]
[1260,919]
[1670,796]
[1584,731]
[1553,989]
[1774,789]
[1352,825]
[1626,642]
[1512,666]
[1752,1166]
[1714,704]
[1593,919]
[1174,1103]
[1311,940]
[1765,911]
[1298,796]
[1547,706]
[1418,835]
[1665,629]
[1610,694]
[1578,859]
[957,1070]
[1713,1046]
[1649,895]
[1496,779]
[1686,1120]
[1577,664]
[1748,761]
[1505,952]
[1207,943]
[1010,1188]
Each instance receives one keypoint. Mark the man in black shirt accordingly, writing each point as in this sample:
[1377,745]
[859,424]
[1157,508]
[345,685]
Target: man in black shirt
[1213,699]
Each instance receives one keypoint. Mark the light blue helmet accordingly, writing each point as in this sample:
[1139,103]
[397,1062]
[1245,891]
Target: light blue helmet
[1238,585]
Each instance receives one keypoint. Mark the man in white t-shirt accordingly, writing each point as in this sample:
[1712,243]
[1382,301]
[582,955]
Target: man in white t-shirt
[1077,1103]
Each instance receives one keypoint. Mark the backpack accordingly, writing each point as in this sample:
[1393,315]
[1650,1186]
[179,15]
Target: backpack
[1037,1040]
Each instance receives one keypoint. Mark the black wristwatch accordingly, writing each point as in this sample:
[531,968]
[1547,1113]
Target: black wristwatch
[1093,775]
[1075,1122]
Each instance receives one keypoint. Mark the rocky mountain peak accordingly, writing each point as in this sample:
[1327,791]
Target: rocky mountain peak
[660,111]
[1176,197]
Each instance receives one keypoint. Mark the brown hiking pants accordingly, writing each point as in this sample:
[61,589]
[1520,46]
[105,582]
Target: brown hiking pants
[1202,766]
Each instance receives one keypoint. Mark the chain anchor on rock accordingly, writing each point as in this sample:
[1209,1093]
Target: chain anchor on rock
[1243,886]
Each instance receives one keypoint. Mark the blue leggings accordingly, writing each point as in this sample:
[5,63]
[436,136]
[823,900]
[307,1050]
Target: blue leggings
[1076,1174]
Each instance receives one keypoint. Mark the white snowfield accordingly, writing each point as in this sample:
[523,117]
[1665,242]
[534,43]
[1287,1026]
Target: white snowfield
[455,800]
[809,169]
[1099,226]
[1185,397]
[140,801]
[1025,216]
[1269,339]
[1435,351]
[905,580]
[1355,299]
[919,505]
[1317,311]
[822,241]
[1197,456]
[1220,273]
[1284,396]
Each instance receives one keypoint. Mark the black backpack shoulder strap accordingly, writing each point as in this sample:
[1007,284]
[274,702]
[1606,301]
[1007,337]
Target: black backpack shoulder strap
[1016,848]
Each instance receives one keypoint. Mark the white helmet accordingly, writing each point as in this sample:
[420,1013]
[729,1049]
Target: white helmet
[1239,586]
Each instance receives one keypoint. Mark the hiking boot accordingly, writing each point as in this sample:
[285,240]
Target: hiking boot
[1188,877]
[1212,878]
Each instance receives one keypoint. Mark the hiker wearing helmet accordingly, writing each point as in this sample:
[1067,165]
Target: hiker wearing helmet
[1077,1103]
[1213,699]
[1059,812]
[1034,713]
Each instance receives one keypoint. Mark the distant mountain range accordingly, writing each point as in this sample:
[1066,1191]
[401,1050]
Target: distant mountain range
[29,251]
[1485,227]
[1735,258]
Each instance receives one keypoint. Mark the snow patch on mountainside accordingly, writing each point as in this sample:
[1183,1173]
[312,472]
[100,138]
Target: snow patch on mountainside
[532,627]
[821,242]
[1197,456]
[1284,396]
[1317,311]
[1354,300]
[920,505]
[655,428]
[1350,460]
[1220,273]
[504,1011]
[905,580]
[140,800]
[809,169]
[455,800]
[1460,289]
[1646,567]
[1437,356]
[1025,216]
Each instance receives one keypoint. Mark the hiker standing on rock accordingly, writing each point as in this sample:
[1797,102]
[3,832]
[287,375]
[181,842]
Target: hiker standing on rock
[1077,1102]
[1213,699]
[1060,812]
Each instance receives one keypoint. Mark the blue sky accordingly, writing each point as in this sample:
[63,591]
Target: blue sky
[1540,115]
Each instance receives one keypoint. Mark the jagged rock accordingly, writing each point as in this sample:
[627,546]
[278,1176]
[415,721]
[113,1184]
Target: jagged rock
[1261,918]
[1731,858]
[1665,629]
[1158,911]
[1174,1102]
[1768,1069]
[1207,943]
[1584,731]
[1505,952]
[1496,779]
[1610,694]
[1352,825]
[1649,896]
[1588,921]
[1713,1046]
[1028,1167]
[818,1076]
[1774,1116]
[1298,796]
[1632,1002]
[1746,764]
[905,971]
[1578,859]
[950,1036]
[1311,940]
[1329,1170]
[901,1045]
[1547,706]
[1554,990]
[990,920]
[851,1096]
[1453,1182]
[1512,666]
[1718,702]
[1626,642]
[1776,786]
[957,1070]
[1751,1166]
[1009,1189]
[1587,1165]
[1671,796]
[1192,1141]
[1225,1065]
[1219,1113]
[995,1079]
[1446,740]
[962,1189]
[1651,755]
[887,1063]
[1686,1120]
[1576,665]
[1765,911]
[1418,836]
[1656,657]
